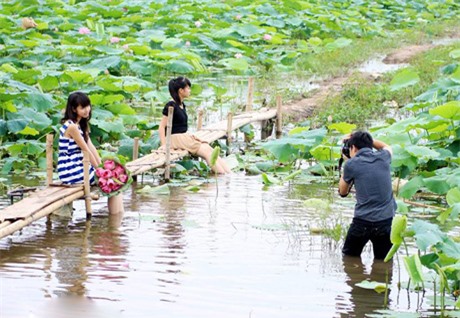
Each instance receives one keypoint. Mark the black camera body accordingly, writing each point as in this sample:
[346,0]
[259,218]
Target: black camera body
[346,148]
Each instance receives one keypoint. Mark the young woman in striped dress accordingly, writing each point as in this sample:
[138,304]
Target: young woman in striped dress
[73,140]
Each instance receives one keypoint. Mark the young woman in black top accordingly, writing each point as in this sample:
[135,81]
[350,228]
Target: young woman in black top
[180,88]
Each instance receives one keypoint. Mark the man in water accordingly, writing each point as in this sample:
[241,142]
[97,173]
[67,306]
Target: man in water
[369,171]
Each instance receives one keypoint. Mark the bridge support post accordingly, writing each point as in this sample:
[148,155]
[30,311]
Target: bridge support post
[266,129]
[229,131]
[168,144]
[279,117]
[135,153]
[49,159]
[250,94]
[199,123]
[86,185]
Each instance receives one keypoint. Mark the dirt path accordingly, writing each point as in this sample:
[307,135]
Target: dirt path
[300,110]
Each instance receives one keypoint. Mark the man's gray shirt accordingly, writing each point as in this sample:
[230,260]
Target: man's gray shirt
[370,171]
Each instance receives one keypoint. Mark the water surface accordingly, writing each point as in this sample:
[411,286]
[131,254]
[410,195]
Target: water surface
[237,249]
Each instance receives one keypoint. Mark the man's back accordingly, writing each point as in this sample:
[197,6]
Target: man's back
[370,172]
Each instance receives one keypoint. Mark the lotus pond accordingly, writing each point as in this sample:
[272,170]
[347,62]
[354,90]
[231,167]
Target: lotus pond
[247,251]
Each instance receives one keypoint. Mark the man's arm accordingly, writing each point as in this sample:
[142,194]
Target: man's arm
[378,144]
[344,188]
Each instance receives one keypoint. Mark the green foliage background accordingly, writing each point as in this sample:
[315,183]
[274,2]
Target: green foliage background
[131,48]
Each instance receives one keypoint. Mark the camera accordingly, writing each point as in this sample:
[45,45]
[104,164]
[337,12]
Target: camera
[346,148]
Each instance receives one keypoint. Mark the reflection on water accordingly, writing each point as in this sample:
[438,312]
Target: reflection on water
[363,301]
[244,251]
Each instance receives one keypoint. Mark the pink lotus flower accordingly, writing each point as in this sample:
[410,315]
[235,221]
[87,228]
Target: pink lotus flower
[105,189]
[238,55]
[123,178]
[84,30]
[107,174]
[119,169]
[112,177]
[125,47]
[198,24]
[109,164]
[238,17]
[110,183]
[99,172]
[102,182]
[114,39]
[187,43]
[267,37]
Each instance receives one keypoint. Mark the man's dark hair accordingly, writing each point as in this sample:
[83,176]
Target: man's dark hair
[361,139]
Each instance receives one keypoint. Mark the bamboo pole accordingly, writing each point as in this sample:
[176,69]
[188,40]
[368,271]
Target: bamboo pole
[250,94]
[229,130]
[13,227]
[279,117]
[423,205]
[199,124]
[86,185]
[168,144]
[4,224]
[49,159]
[135,153]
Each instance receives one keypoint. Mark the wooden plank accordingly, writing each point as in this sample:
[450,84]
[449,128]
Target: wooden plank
[209,134]
[19,224]
[36,201]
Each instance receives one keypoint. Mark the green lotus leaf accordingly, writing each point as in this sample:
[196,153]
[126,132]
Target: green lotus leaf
[437,184]
[28,131]
[35,119]
[411,187]
[343,128]
[179,66]
[49,83]
[422,152]
[455,54]
[404,78]
[414,268]
[426,234]
[373,285]
[121,109]
[249,30]
[453,196]
[450,110]
[104,63]
[235,64]
[171,43]
[269,180]
[140,49]
[214,156]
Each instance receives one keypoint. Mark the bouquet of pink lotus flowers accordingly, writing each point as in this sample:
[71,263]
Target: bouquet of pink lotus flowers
[112,177]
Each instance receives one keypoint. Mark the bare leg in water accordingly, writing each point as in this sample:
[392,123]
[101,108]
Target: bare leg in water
[115,204]
[205,152]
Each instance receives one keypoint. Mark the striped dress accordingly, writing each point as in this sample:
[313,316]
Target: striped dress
[70,159]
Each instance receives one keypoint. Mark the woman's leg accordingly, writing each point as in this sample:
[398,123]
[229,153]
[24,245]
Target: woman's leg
[115,204]
[205,152]
[223,165]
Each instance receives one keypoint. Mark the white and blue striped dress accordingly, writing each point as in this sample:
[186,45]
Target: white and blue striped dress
[70,159]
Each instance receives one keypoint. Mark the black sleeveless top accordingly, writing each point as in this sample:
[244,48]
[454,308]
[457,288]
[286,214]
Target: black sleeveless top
[180,118]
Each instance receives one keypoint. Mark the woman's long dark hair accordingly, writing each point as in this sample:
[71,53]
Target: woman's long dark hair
[175,84]
[75,99]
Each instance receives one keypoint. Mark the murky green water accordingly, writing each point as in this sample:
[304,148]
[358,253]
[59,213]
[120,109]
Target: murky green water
[246,253]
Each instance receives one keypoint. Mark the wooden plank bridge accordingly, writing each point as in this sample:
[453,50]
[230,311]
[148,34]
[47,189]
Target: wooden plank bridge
[52,197]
